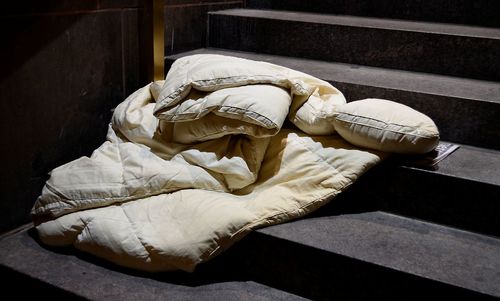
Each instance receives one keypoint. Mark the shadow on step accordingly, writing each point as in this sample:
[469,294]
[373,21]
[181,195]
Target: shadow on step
[220,269]
[322,275]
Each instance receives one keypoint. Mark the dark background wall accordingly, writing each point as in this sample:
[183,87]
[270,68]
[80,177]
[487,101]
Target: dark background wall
[65,65]
[187,22]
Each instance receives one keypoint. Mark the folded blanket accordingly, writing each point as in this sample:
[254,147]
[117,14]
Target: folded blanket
[193,163]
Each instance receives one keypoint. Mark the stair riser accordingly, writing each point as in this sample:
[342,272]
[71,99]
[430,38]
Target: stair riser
[322,275]
[476,120]
[446,200]
[405,50]
[414,193]
[476,12]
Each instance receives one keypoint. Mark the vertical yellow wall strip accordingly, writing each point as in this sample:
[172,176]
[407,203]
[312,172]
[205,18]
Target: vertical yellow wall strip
[158,40]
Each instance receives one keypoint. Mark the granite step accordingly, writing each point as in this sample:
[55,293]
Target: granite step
[465,110]
[374,254]
[346,256]
[476,12]
[457,50]
[66,274]
[461,192]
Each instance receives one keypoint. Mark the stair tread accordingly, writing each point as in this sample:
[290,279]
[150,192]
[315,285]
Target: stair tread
[388,78]
[472,163]
[436,252]
[21,253]
[367,22]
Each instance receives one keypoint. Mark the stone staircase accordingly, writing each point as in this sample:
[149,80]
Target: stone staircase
[400,232]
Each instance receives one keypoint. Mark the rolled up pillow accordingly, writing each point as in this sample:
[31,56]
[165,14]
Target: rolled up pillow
[386,126]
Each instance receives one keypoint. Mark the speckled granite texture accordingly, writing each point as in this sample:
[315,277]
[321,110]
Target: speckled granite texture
[478,12]
[400,245]
[461,192]
[455,50]
[65,274]
[356,255]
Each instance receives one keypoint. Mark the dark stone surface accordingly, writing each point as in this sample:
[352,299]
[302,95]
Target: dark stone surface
[200,2]
[186,25]
[61,76]
[462,192]
[466,111]
[375,254]
[351,255]
[478,12]
[476,164]
[45,6]
[134,54]
[71,275]
[424,47]
[103,4]
[452,195]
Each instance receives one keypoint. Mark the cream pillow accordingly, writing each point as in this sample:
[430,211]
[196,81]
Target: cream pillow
[387,126]
[255,110]
[209,73]
[313,100]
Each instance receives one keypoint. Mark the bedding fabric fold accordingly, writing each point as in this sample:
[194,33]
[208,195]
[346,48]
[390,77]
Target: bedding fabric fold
[193,163]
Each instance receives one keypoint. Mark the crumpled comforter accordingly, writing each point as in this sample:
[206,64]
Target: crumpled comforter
[194,163]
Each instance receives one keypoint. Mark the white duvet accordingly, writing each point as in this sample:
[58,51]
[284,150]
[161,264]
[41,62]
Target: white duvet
[193,163]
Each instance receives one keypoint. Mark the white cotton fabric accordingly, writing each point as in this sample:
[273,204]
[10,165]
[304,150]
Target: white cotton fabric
[313,100]
[156,197]
[386,126]
[256,110]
